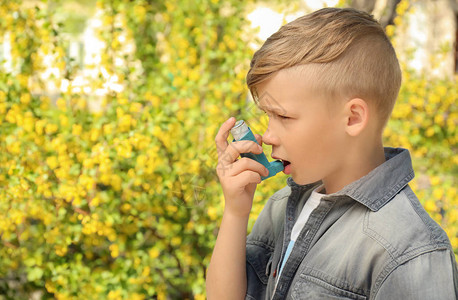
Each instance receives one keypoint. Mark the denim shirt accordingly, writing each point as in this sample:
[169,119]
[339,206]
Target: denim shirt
[370,240]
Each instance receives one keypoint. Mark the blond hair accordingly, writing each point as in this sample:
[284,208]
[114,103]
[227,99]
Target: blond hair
[345,51]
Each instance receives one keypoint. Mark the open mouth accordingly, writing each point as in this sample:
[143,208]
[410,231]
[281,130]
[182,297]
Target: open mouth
[286,167]
[285,163]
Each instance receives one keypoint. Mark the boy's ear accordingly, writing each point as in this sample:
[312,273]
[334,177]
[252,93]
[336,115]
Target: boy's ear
[357,116]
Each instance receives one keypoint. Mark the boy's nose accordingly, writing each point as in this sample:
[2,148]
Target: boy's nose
[268,138]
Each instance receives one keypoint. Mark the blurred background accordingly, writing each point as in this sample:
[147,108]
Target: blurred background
[108,113]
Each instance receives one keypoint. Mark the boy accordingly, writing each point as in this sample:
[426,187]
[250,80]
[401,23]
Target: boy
[347,225]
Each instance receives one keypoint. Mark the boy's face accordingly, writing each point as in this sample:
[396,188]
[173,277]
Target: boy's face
[304,128]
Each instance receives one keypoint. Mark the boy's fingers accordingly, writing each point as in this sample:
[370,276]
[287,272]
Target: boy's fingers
[258,138]
[245,163]
[250,177]
[235,148]
[223,133]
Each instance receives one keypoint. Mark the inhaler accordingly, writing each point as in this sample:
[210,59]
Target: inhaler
[240,132]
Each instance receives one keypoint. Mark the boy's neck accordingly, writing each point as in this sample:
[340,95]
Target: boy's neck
[356,165]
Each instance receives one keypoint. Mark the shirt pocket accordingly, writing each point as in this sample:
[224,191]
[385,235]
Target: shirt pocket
[258,262]
[310,287]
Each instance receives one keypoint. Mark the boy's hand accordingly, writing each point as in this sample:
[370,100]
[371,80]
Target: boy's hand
[238,177]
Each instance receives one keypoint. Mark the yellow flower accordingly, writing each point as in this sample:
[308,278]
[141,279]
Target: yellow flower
[116,182]
[63,120]
[397,21]
[77,129]
[135,107]
[402,7]
[122,100]
[119,112]
[194,75]
[125,122]
[50,287]
[51,128]
[29,123]
[155,101]
[178,81]
[136,296]
[442,90]
[172,208]
[146,271]
[11,115]
[23,80]
[39,126]
[454,242]
[453,216]
[141,161]
[61,250]
[435,180]
[81,103]
[107,129]
[429,132]
[430,206]
[230,43]
[438,193]
[61,104]
[175,241]
[2,108]
[95,201]
[389,30]
[212,213]
[189,225]
[114,249]
[157,131]
[188,22]
[86,181]
[107,20]
[131,172]
[25,99]
[194,166]
[88,163]
[126,207]
[139,12]
[14,148]
[124,151]
[52,162]
[114,295]
[94,135]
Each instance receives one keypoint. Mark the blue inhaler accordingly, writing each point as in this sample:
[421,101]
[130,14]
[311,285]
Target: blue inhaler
[240,132]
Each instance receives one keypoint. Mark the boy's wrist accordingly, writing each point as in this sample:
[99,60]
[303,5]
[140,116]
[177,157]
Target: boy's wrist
[234,216]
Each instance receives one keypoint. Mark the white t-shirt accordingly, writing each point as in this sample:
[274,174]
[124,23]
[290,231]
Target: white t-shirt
[309,206]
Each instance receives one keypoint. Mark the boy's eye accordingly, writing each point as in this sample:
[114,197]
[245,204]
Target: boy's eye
[276,116]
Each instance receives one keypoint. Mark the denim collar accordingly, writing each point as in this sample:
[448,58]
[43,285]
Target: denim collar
[378,187]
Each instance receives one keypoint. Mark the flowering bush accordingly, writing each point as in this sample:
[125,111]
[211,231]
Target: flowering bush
[424,121]
[108,190]
[119,202]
